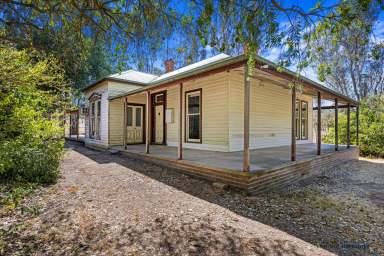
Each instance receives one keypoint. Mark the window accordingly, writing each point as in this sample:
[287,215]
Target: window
[159,98]
[193,116]
[297,115]
[129,116]
[304,120]
[301,109]
[94,126]
[98,103]
[92,121]
[138,117]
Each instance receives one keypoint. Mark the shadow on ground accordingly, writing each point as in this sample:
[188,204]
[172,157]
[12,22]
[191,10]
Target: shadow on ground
[297,210]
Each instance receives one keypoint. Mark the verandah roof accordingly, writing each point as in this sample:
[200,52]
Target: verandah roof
[223,61]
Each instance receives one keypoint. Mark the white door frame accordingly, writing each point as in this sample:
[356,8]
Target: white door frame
[143,121]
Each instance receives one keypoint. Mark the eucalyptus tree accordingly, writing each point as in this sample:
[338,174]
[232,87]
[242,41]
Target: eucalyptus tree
[72,30]
[352,60]
[143,28]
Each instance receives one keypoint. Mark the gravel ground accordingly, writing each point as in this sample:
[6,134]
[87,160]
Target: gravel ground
[111,205]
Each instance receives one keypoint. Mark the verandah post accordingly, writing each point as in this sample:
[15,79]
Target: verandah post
[77,124]
[318,123]
[180,148]
[293,125]
[246,119]
[147,121]
[357,125]
[336,125]
[348,126]
[125,124]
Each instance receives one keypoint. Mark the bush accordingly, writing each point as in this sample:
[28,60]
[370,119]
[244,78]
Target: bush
[32,95]
[371,130]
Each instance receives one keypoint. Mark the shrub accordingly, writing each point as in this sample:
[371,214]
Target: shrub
[32,94]
[371,129]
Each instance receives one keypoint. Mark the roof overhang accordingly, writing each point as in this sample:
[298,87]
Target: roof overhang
[182,77]
[237,61]
[125,81]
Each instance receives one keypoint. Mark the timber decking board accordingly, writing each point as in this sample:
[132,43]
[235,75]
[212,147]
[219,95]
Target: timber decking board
[255,182]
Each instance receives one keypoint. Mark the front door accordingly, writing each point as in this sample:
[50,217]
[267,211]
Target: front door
[159,129]
[158,118]
[135,124]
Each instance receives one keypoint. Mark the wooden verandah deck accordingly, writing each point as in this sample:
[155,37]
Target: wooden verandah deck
[270,167]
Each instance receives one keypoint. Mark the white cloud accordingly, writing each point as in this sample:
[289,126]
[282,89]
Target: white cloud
[378,31]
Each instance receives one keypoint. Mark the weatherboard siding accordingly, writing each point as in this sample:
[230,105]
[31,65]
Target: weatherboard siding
[214,112]
[222,113]
[102,89]
[270,116]
[116,117]
[116,120]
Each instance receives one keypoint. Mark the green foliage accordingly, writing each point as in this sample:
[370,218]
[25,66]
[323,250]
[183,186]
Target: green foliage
[32,94]
[371,129]
[13,194]
[83,35]
[345,52]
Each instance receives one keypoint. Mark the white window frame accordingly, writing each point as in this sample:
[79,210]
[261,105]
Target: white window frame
[94,120]
[303,119]
[197,92]
[300,119]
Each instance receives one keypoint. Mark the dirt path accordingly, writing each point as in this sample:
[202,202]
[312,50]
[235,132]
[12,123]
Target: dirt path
[109,205]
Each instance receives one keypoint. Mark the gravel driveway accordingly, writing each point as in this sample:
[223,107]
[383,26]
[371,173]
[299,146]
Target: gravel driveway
[109,205]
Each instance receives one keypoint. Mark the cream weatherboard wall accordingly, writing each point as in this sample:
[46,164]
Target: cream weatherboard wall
[222,113]
[214,112]
[111,118]
[116,117]
[270,114]
[102,89]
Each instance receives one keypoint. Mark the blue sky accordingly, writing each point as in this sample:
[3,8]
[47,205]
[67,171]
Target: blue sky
[273,54]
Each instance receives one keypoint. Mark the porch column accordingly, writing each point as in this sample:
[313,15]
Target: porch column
[77,124]
[180,148]
[293,125]
[247,90]
[125,124]
[318,123]
[147,122]
[70,125]
[336,125]
[357,125]
[348,126]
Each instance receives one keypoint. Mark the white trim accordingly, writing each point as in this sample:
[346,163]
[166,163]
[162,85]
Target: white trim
[193,94]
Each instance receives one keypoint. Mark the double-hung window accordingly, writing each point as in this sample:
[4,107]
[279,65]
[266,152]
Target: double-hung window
[301,120]
[297,115]
[304,120]
[193,116]
[94,118]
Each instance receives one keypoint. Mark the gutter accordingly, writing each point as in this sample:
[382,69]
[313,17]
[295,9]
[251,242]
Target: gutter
[307,80]
[227,62]
[114,80]
[218,64]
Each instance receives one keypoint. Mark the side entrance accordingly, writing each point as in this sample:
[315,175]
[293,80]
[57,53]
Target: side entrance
[159,104]
[135,123]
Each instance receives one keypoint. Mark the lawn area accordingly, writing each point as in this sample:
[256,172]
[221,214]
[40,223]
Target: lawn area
[108,204]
